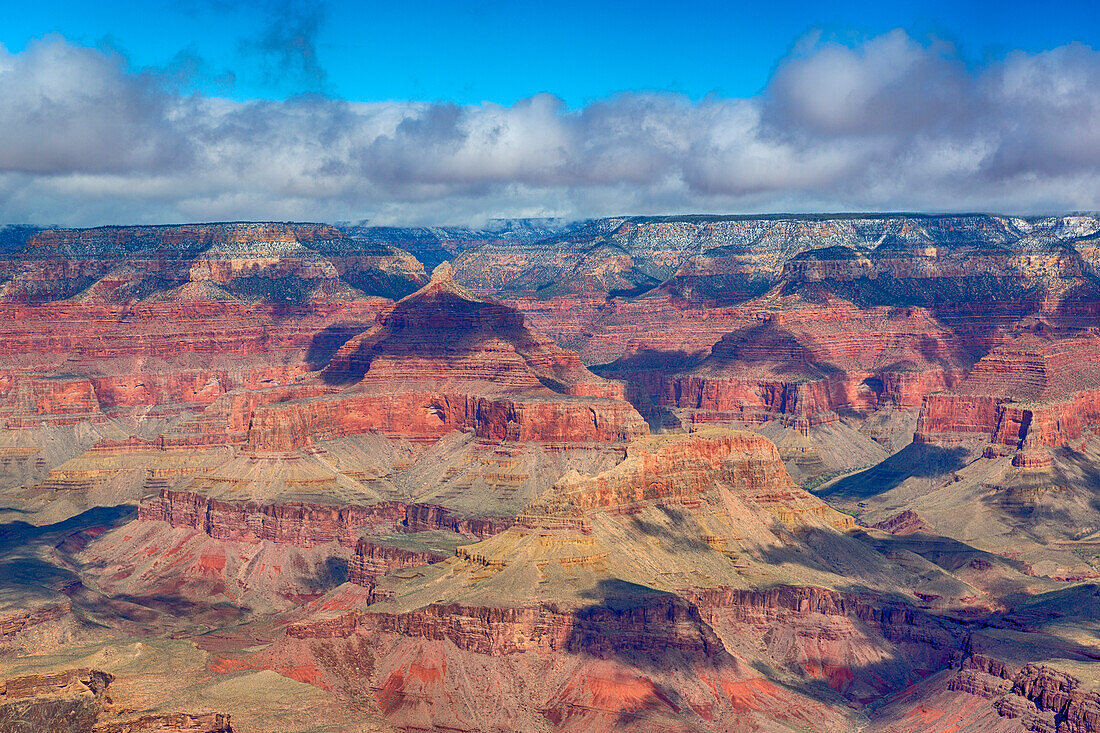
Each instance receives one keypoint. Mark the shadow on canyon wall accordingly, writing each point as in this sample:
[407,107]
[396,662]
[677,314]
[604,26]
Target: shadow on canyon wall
[914,460]
[325,343]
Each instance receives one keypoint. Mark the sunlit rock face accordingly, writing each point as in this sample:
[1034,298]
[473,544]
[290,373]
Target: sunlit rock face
[1032,385]
[678,473]
[643,580]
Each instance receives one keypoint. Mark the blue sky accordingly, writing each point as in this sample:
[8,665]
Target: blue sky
[455,112]
[499,51]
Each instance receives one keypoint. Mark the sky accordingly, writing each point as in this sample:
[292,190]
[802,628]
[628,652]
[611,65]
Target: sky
[455,112]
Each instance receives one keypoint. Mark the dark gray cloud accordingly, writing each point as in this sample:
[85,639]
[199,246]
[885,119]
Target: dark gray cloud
[286,45]
[894,123]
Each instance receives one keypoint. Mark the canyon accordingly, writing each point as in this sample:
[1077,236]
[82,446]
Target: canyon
[637,473]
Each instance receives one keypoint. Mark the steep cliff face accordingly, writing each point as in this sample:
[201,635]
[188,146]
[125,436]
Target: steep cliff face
[708,662]
[1049,690]
[420,685]
[665,624]
[1039,697]
[858,646]
[28,401]
[64,363]
[626,566]
[657,469]
[1049,387]
[424,415]
[835,386]
[1018,270]
[66,701]
[269,557]
[379,555]
[369,489]
[804,368]
[97,336]
[304,498]
[472,366]
[598,564]
[301,524]
[176,316]
[975,279]
[723,494]
[952,263]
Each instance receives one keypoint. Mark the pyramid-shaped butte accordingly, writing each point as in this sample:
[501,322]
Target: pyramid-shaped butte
[442,360]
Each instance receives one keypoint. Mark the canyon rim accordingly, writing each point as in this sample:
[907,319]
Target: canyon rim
[457,405]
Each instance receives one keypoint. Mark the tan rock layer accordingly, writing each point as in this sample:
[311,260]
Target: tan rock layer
[43,684]
[15,623]
[659,468]
[170,723]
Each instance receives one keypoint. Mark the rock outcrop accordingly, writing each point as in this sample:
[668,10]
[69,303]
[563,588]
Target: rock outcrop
[302,524]
[804,369]
[375,557]
[1049,387]
[1043,699]
[905,522]
[673,469]
[444,360]
[77,701]
[68,701]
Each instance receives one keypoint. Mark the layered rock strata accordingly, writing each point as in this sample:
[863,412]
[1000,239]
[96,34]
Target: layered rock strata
[1042,698]
[443,360]
[804,369]
[303,524]
[586,527]
[1041,386]
[78,701]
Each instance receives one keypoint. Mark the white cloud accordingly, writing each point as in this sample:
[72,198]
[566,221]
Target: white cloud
[890,124]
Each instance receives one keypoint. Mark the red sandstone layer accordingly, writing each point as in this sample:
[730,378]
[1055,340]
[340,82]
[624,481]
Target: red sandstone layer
[666,623]
[662,621]
[803,367]
[442,360]
[372,560]
[303,524]
[427,416]
[1046,387]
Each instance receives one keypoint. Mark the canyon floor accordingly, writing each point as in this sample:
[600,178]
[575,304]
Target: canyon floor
[820,473]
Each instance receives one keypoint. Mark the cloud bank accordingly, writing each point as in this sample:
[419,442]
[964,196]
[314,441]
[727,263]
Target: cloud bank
[892,124]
